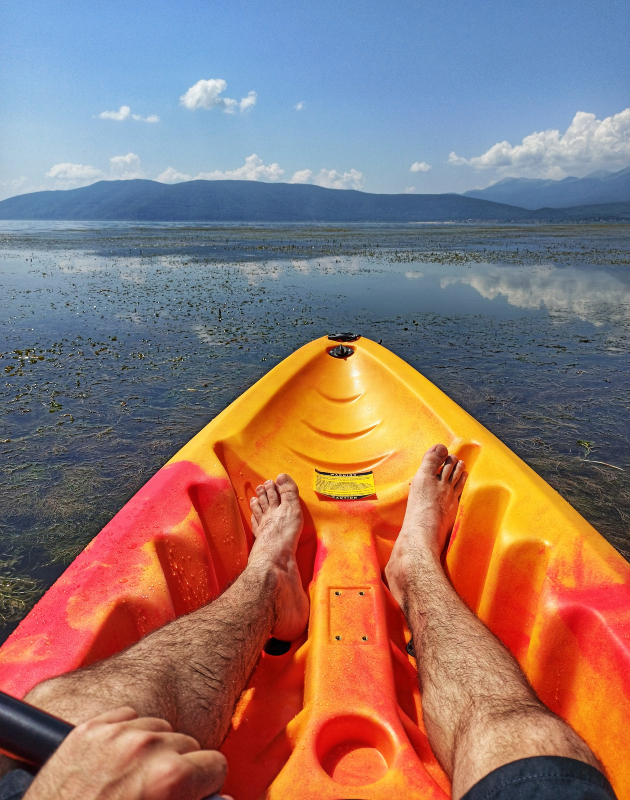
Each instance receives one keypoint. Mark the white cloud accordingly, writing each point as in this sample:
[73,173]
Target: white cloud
[126,168]
[252,170]
[587,144]
[248,102]
[124,112]
[414,275]
[207,94]
[302,176]
[330,178]
[299,106]
[420,166]
[14,186]
[171,175]
[410,189]
[71,176]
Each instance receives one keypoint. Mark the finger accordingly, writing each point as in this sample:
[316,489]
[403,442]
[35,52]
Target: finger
[153,724]
[121,714]
[142,741]
[448,467]
[262,498]
[178,742]
[208,769]
[459,486]
[457,472]
[272,494]
[257,512]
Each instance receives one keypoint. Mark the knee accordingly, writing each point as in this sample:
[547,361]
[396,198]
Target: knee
[522,730]
[48,695]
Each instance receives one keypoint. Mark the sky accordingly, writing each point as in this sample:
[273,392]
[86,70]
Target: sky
[381,95]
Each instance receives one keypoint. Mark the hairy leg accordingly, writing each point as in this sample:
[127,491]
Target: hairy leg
[479,709]
[192,671]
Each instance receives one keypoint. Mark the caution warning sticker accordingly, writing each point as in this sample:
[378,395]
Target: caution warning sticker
[345,485]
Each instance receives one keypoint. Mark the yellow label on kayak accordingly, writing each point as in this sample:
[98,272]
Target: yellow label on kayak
[345,485]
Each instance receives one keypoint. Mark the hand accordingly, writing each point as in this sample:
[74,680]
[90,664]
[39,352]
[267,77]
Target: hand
[117,756]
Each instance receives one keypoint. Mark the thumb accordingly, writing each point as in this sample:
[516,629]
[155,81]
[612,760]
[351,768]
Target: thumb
[207,774]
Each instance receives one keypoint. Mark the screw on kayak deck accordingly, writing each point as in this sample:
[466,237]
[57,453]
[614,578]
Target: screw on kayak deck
[341,351]
[338,638]
[365,638]
[344,337]
[410,649]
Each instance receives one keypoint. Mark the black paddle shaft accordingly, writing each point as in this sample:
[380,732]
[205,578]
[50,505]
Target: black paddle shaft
[28,733]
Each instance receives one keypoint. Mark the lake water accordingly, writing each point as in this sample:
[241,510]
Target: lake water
[119,341]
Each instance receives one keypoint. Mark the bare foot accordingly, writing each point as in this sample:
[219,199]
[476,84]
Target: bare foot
[277,524]
[431,510]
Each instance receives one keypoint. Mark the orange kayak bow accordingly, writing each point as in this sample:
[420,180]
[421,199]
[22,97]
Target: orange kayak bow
[341,707]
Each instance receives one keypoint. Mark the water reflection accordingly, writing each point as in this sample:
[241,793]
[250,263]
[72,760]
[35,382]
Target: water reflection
[584,293]
[592,294]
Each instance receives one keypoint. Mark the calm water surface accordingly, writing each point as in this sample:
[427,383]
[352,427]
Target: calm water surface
[120,341]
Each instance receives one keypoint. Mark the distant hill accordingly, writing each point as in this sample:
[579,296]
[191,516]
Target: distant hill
[250,201]
[598,187]
[601,212]
[244,201]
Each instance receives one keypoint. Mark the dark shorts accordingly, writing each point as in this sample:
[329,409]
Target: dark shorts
[14,785]
[540,778]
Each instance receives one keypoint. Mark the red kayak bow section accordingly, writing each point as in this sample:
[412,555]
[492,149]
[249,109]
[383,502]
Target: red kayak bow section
[341,709]
[149,565]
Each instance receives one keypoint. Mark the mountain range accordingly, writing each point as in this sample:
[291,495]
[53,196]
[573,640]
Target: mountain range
[598,187]
[251,201]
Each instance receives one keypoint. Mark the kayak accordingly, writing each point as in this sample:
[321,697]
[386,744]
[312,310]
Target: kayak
[338,713]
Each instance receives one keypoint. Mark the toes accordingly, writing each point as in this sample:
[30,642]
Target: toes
[448,467]
[288,488]
[459,486]
[257,511]
[262,498]
[457,472]
[272,494]
[434,458]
